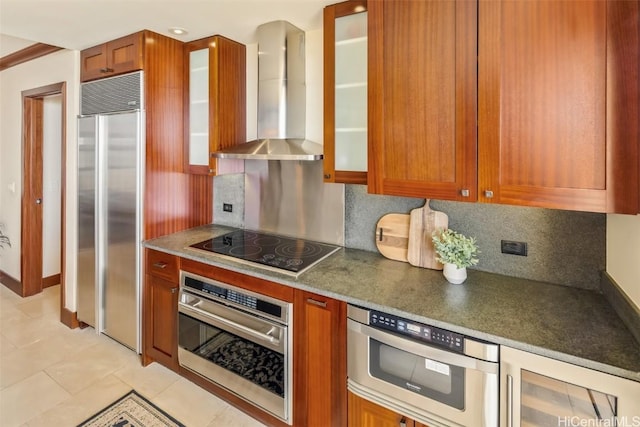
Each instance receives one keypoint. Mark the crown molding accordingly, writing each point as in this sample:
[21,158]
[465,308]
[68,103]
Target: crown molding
[27,54]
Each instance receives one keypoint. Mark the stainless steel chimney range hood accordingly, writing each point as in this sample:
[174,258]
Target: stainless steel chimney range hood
[281,99]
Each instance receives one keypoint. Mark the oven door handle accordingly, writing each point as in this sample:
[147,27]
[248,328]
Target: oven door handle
[206,316]
[423,350]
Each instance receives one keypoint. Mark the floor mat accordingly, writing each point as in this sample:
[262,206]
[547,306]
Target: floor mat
[131,410]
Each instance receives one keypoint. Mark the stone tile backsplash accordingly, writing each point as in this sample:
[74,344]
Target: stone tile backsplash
[564,247]
[229,188]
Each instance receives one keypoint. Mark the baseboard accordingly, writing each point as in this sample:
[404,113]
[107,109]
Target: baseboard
[11,283]
[69,318]
[622,304]
[51,281]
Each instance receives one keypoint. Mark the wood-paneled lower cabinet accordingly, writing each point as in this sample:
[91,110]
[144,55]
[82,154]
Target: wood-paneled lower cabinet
[556,105]
[118,56]
[422,98]
[363,413]
[559,102]
[320,360]
[160,309]
[214,110]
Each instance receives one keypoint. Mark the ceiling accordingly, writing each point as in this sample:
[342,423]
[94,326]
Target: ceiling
[78,24]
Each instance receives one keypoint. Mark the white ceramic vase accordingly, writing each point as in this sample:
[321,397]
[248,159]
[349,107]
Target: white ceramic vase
[454,274]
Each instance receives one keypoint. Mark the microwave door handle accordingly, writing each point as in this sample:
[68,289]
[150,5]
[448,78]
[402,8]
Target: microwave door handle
[424,350]
[192,306]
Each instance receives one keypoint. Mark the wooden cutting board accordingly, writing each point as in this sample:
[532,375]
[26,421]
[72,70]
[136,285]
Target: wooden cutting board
[420,251]
[392,236]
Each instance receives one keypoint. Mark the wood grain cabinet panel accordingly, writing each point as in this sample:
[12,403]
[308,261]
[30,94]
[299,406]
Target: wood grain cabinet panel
[118,56]
[559,104]
[160,312]
[363,413]
[320,361]
[422,98]
[532,103]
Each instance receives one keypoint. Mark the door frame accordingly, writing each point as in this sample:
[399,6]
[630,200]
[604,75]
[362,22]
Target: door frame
[31,213]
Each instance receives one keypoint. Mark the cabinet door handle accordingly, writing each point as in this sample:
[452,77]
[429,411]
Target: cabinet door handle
[488,194]
[160,264]
[173,290]
[322,304]
[106,70]
[403,422]
[464,192]
[509,401]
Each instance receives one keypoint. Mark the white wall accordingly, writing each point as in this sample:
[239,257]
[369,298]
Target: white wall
[61,66]
[623,253]
[51,185]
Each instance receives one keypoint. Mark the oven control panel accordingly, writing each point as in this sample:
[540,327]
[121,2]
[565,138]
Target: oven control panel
[417,331]
[239,298]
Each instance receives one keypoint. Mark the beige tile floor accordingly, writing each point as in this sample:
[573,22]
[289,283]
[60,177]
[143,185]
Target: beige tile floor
[51,375]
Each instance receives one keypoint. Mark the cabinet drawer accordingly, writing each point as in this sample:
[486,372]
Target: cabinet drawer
[163,265]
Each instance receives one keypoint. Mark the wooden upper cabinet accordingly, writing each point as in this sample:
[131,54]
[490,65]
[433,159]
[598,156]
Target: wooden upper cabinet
[345,92]
[422,99]
[215,101]
[559,104]
[118,56]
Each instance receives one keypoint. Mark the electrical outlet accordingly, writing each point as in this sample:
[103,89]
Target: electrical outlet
[227,207]
[513,248]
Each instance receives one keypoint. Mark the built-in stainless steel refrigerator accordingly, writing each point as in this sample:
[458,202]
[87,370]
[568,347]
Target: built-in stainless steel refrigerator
[110,190]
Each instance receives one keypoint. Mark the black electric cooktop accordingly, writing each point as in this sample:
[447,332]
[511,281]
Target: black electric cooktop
[285,254]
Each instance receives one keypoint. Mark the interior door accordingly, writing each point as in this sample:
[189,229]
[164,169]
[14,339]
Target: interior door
[31,218]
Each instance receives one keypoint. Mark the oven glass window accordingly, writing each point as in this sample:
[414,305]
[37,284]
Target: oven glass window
[548,401]
[436,380]
[253,362]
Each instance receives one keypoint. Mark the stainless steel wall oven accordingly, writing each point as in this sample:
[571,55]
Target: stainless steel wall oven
[237,339]
[435,376]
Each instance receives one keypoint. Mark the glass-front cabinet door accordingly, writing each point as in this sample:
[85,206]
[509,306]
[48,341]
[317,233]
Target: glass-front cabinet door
[539,391]
[345,92]
[215,100]
[198,104]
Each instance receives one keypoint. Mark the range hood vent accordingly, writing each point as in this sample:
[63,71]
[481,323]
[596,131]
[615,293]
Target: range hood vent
[281,99]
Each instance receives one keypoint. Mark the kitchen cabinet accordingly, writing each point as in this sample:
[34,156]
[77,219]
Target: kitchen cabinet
[345,92]
[214,110]
[538,391]
[160,332]
[363,413]
[556,103]
[422,99]
[320,360]
[559,105]
[118,56]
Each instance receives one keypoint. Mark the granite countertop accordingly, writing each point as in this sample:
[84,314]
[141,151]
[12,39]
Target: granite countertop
[568,324]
